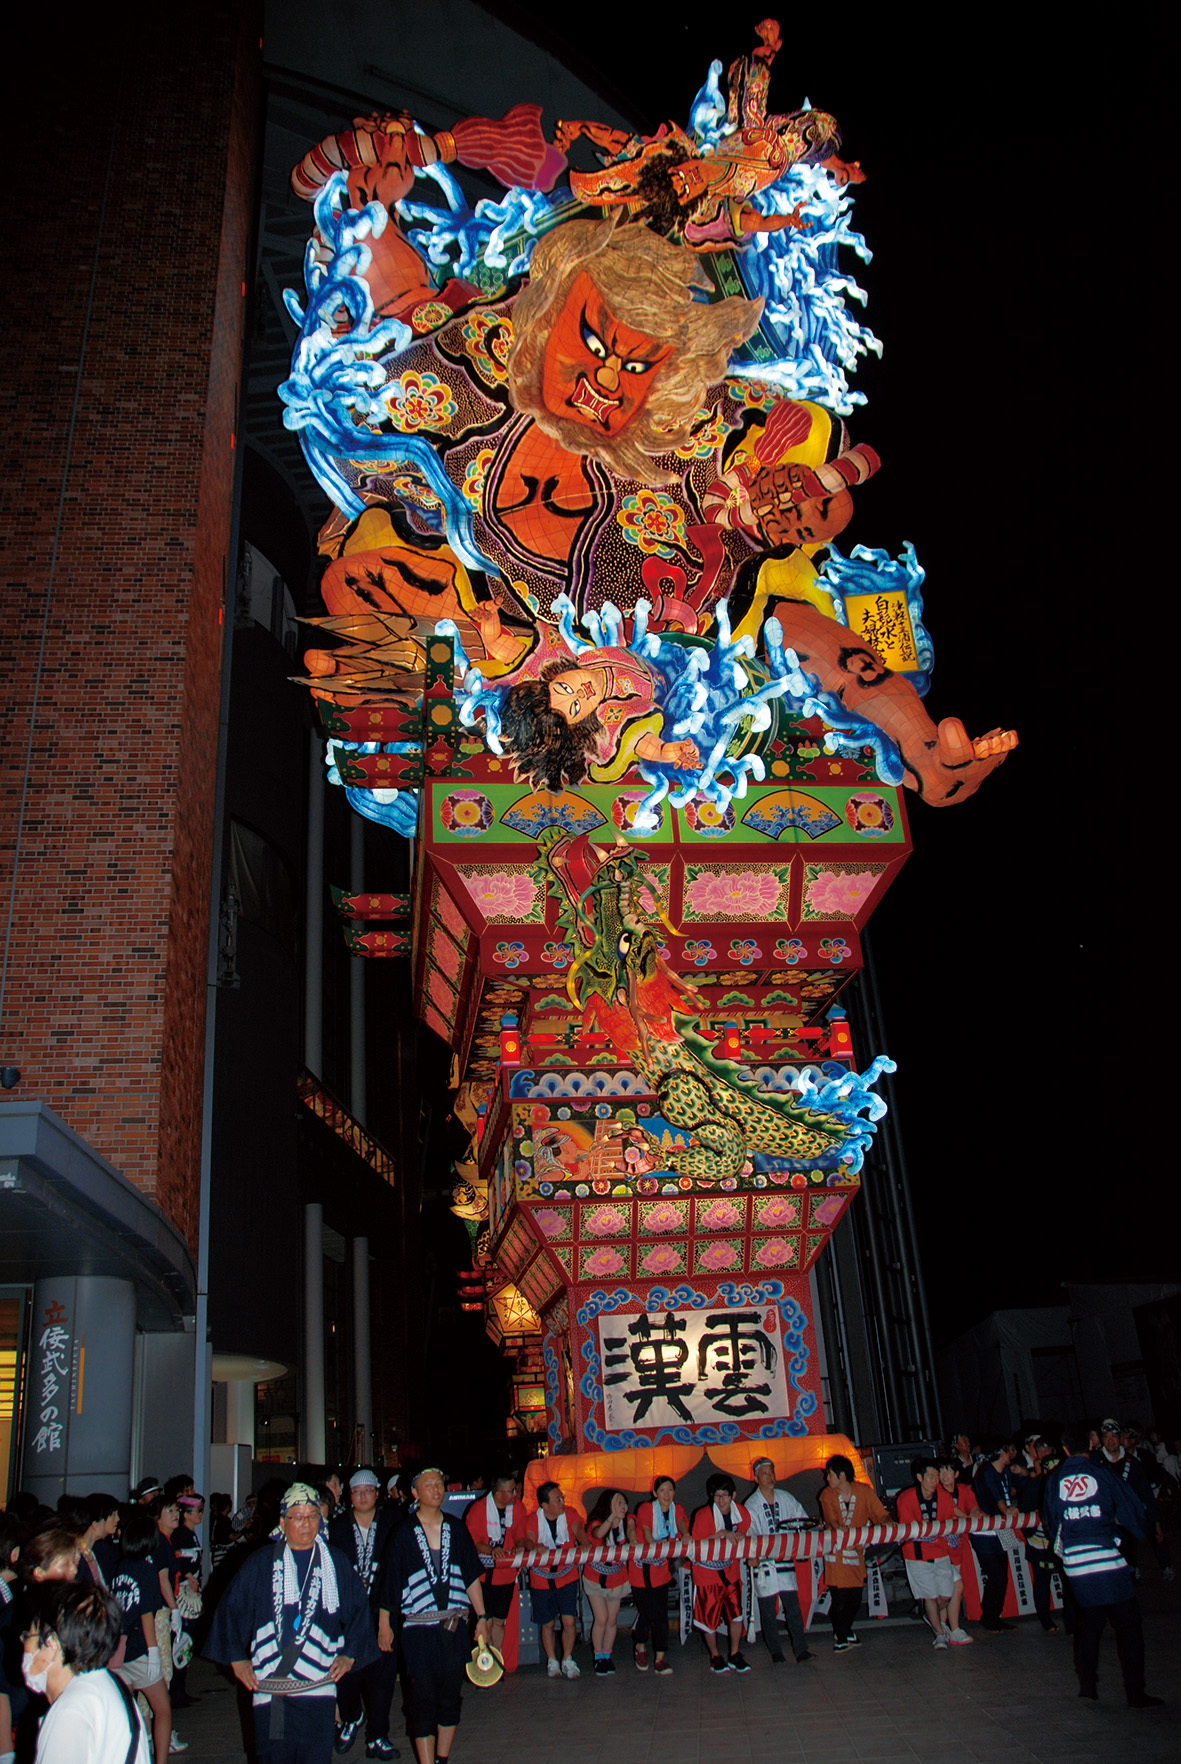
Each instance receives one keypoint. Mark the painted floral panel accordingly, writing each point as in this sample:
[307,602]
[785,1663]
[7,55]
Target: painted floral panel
[827,1209]
[831,893]
[605,1221]
[604,1262]
[661,1259]
[735,894]
[507,895]
[775,1252]
[721,1214]
[663,1218]
[778,1212]
[720,1256]
[554,1222]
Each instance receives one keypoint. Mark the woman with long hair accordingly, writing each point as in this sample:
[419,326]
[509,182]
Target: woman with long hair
[605,1583]
[137,1587]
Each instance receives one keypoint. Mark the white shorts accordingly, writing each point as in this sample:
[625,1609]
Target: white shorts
[138,1674]
[931,1580]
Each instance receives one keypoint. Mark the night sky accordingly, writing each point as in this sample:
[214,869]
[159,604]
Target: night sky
[1013,203]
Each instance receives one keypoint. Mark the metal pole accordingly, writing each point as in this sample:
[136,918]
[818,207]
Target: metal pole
[357,1102]
[361,1348]
[313,1329]
[313,989]
[908,1240]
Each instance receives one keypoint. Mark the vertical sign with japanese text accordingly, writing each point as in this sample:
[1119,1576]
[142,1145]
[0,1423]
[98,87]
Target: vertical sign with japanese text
[53,1371]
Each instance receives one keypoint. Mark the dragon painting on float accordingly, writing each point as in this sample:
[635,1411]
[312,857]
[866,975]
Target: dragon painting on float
[624,988]
[622,392]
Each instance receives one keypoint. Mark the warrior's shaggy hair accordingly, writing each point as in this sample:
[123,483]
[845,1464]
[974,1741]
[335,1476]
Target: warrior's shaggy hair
[547,750]
[648,283]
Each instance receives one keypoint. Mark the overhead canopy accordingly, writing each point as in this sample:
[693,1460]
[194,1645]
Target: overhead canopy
[65,1210]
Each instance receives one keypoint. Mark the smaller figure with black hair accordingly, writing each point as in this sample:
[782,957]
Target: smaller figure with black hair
[136,1587]
[928,1560]
[554,1591]
[717,1587]
[92,1718]
[1087,1509]
[846,1504]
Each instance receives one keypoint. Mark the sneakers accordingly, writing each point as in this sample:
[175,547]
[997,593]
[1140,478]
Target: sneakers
[738,1664]
[1143,1701]
[959,1638]
[176,1744]
[604,1666]
[553,1669]
[839,1647]
[806,1655]
[346,1733]
[381,1748]
[854,1639]
[569,1669]
[640,1658]
[778,1660]
[717,1664]
[939,1642]
[662,1668]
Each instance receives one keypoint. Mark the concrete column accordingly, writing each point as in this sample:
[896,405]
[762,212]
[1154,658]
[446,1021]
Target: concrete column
[313,1325]
[357,1097]
[240,1406]
[313,991]
[79,1387]
[363,1376]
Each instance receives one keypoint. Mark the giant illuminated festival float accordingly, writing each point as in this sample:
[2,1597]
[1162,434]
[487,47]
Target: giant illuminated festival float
[596,643]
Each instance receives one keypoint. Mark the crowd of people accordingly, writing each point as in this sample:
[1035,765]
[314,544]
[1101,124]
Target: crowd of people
[321,1594]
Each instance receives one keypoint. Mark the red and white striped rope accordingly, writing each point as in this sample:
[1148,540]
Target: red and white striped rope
[785,1546]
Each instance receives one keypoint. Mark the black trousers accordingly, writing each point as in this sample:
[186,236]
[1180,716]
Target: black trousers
[1041,1570]
[793,1622]
[370,1688]
[846,1602]
[994,1567]
[651,1616]
[433,1659]
[1124,1618]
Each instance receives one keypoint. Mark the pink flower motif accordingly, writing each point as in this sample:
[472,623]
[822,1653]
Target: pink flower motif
[722,1215]
[664,1217]
[778,1213]
[838,894]
[606,1222]
[775,1253]
[550,1222]
[733,894]
[662,1258]
[718,1257]
[603,1263]
[828,1210]
[501,896]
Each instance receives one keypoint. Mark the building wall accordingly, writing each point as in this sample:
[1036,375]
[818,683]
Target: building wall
[126,272]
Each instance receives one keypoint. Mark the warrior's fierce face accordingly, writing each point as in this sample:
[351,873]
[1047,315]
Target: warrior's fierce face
[597,371]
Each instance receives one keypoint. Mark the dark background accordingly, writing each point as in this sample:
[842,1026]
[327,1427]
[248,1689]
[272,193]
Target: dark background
[1014,206]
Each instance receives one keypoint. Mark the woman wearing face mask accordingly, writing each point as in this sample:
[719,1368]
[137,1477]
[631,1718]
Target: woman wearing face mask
[92,1718]
[50,1555]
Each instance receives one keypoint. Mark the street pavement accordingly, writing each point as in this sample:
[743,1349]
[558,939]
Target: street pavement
[1007,1699]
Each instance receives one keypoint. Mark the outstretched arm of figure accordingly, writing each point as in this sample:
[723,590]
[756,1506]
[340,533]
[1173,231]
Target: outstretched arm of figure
[611,140]
[668,753]
[751,221]
[943,764]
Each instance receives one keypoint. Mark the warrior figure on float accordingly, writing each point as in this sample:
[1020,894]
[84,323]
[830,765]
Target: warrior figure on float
[580,440]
